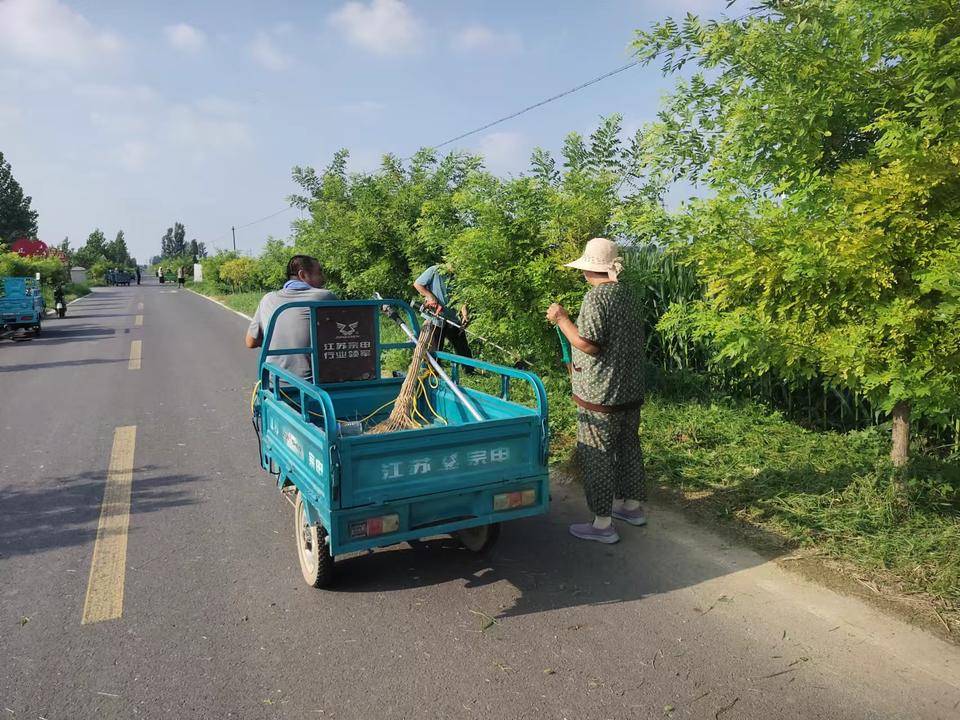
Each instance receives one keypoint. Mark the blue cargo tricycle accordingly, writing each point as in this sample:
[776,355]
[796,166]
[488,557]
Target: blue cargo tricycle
[21,307]
[476,460]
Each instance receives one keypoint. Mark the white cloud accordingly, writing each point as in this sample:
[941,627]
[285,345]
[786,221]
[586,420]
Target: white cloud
[133,155]
[266,52]
[198,131]
[504,152]
[47,31]
[214,105]
[10,115]
[363,107]
[185,37]
[483,39]
[120,123]
[384,27]
[117,94]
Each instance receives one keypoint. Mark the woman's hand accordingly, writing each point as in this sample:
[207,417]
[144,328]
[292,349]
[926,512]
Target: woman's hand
[555,313]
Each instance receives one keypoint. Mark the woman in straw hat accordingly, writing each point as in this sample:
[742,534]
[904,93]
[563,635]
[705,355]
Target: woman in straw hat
[607,344]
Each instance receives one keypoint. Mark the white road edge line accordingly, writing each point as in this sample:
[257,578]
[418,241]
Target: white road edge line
[225,307]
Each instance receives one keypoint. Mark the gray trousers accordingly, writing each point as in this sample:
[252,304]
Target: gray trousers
[610,458]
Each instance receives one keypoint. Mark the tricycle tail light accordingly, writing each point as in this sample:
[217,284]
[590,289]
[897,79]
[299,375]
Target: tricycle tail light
[371,527]
[513,500]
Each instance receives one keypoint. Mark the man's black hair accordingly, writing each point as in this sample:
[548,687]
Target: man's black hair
[301,262]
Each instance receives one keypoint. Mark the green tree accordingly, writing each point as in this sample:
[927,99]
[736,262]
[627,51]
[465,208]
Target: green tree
[240,273]
[272,263]
[365,227]
[67,251]
[166,243]
[93,251]
[179,245]
[16,216]
[829,135]
[117,252]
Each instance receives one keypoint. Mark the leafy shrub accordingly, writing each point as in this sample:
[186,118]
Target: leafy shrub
[52,270]
[240,273]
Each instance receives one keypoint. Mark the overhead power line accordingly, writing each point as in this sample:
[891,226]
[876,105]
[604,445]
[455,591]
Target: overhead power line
[551,99]
[265,217]
[511,116]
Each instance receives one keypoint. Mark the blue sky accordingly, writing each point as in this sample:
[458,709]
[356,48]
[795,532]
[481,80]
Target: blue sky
[133,115]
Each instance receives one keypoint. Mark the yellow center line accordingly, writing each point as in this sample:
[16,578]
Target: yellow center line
[135,349]
[138,321]
[104,599]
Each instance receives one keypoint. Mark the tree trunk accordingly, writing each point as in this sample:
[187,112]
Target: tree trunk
[900,449]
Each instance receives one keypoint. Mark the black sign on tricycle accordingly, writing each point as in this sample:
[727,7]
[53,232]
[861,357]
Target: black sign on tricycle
[346,337]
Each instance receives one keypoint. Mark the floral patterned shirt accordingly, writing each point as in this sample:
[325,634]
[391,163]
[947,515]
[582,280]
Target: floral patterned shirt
[610,318]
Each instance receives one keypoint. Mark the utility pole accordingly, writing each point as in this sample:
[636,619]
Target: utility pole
[234,231]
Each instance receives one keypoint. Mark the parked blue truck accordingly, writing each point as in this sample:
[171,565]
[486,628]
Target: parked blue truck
[21,307]
[479,459]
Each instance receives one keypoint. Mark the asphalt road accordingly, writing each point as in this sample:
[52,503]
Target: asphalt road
[216,622]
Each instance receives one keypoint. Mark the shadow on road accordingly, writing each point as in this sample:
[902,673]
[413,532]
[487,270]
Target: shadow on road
[72,333]
[63,512]
[549,569]
[99,316]
[60,363]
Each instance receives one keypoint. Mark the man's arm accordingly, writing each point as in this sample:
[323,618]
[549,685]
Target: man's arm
[254,336]
[430,297]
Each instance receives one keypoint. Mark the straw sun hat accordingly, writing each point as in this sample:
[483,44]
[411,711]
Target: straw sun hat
[600,255]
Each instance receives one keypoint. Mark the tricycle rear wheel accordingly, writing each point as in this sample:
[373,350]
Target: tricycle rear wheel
[316,562]
[479,539]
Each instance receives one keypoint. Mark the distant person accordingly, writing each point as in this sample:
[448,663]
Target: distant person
[434,285]
[160,274]
[138,274]
[607,377]
[305,281]
[181,276]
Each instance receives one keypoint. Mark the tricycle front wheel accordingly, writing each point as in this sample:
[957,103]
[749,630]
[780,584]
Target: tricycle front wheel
[479,539]
[316,562]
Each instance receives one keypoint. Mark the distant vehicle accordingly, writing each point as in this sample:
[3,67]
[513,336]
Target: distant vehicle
[118,277]
[21,307]
[60,301]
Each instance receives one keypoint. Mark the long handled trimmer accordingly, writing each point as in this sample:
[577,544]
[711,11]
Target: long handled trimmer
[392,313]
[518,362]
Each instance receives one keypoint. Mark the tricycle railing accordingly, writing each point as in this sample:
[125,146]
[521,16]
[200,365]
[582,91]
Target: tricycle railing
[505,373]
[272,376]
[279,383]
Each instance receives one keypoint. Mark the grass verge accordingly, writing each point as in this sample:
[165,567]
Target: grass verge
[834,492]
[245,302]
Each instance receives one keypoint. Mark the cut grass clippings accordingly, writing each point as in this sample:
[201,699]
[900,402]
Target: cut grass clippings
[834,492]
